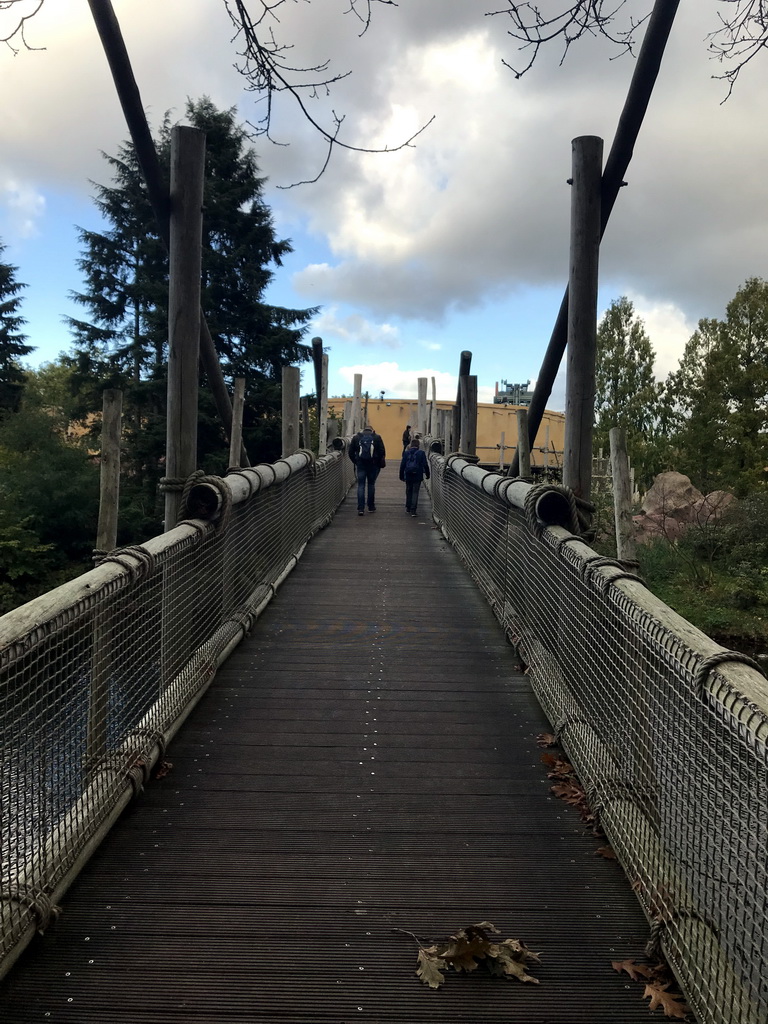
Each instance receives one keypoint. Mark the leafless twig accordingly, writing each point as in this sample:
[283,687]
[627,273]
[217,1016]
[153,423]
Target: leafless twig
[266,66]
[15,37]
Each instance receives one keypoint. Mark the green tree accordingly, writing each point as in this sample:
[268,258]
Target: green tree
[626,393]
[12,340]
[123,343]
[721,396]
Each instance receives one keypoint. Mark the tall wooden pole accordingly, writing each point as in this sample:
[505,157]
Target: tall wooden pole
[322,420]
[432,427]
[523,447]
[582,314]
[635,106]
[236,436]
[109,498]
[356,414]
[187,175]
[465,361]
[128,94]
[306,442]
[626,544]
[291,384]
[468,386]
[421,410]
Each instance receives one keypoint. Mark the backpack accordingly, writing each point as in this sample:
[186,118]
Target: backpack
[365,452]
[413,463]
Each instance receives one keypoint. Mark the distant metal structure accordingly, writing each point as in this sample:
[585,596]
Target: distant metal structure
[513,394]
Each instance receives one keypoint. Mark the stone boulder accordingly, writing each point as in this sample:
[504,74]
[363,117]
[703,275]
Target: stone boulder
[673,504]
[672,494]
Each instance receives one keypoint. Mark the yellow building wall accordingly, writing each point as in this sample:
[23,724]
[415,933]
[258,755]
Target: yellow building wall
[389,418]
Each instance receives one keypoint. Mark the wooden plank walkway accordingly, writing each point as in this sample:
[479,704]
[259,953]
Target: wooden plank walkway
[365,761]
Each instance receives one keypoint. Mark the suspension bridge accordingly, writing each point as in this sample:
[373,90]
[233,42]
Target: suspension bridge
[243,760]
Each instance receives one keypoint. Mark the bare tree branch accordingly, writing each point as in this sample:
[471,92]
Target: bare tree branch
[268,70]
[741,36]
[532,28]
[15,37]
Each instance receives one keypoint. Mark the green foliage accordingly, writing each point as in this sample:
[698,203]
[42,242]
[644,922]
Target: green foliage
[48,483]
[720,395]
[626,394]
[12,346]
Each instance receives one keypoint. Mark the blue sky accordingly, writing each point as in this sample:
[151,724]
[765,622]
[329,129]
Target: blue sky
[460,242]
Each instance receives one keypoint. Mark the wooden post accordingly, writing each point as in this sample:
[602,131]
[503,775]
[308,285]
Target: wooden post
[128,94]
[636,103]
[290,410]
[546,447]
[356,425]
[454,442]
[236,438]
[305,423]
[106,540]
[109,498]
[523,445]
[501,451]
[322,420]
[626,545]
[421,412]
[187,174]
[317,359]
[582,314]
[365,411]
[432,426]
[468,386]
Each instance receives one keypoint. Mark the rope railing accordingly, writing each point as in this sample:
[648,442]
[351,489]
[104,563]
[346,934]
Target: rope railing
[667,730]
[97,675]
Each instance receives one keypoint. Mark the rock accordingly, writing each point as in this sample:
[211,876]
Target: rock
[673,504]
[672,494]
[711,508]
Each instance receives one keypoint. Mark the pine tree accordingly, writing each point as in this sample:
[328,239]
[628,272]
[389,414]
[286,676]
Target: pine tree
[124,341]
[12,347]
[626,393]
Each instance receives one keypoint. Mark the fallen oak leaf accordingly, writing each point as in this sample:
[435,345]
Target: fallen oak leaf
[670,1002]
[164,768]
[546,739]
[431,967]
[606,851]
[635,971]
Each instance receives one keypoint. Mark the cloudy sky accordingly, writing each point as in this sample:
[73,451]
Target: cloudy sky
[458,242]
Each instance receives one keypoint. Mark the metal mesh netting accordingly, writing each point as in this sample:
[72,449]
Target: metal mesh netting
[668,732]
[96,676]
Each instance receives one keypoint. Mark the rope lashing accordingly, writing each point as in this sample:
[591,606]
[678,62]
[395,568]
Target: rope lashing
[589,566]
[653,948]
[540,491]
[135,559]
[218,483]
[39,902]
[171,483]
[720,658]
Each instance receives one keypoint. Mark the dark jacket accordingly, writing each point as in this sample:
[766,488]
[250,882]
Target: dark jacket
[379,453]
[422,464]
[407,437]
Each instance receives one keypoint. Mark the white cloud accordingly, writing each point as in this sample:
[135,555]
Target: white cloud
[23,208]
[354,329]
[668,329]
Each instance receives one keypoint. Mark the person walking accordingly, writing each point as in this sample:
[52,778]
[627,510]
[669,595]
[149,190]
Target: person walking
[367,452]
[406,436]
[414,467]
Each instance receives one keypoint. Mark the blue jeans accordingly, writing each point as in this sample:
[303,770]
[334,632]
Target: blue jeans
[366,473]
[412,494]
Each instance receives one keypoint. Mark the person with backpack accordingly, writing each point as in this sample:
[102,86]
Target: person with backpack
[366,450]
[414,466]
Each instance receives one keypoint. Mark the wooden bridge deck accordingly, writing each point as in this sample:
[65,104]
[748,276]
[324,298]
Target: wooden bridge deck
[365,761]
